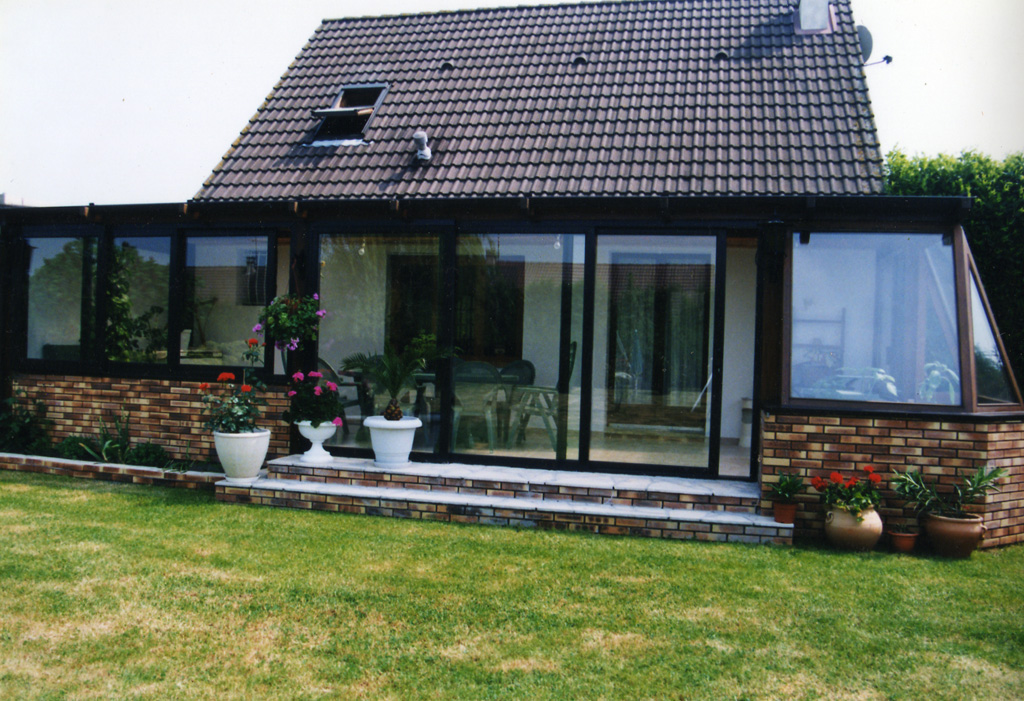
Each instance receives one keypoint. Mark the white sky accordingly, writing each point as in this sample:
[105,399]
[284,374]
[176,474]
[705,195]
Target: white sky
[125,101]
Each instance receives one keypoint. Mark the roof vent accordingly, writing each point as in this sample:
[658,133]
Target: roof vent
[814,17]
[721,55]
[419,139]
[447,66]
[579,60]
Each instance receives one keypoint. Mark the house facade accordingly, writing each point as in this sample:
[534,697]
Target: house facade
[652,236]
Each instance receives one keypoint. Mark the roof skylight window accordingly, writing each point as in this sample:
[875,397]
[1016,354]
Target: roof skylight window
[345,121]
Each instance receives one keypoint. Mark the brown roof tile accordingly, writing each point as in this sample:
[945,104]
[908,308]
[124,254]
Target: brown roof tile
[652,112]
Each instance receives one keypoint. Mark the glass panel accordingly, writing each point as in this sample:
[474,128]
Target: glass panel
[137,295]
[61,297]
[653,331]
[225,289]
[874,319]
[518,322]
[379,290]
[994,386]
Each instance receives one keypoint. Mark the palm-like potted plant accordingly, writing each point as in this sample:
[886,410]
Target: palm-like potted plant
[851,520]
[952,530]
[784,495]
[392,433]
[316,409]
[241,446]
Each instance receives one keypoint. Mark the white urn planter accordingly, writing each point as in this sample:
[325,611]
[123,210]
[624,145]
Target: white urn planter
[316,455]
[242,454]
[392,440]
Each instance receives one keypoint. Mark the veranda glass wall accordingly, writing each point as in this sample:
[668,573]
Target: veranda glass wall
[61,276]
[518,329]
[654,326]
[874,318]
[379,291]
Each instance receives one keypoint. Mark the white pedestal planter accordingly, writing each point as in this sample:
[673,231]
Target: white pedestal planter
[392,440]
[242,454]
[316,455]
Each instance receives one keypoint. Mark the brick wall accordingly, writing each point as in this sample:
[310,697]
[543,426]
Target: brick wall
[165,412]
[946,450]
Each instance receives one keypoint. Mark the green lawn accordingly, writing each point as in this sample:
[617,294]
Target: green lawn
[114,591]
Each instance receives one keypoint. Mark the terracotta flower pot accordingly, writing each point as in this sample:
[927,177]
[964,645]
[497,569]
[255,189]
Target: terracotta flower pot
[784,512]
[954,537]
[844,531]
[902,542]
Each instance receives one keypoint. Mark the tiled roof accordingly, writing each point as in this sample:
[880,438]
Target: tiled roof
[675,98]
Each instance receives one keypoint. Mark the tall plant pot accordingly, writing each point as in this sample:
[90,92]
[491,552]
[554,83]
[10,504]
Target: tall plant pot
[954,537]
[843,530]
[242,454]
[392,440]
[316,455]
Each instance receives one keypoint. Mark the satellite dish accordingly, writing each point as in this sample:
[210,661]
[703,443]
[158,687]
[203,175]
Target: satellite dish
[865,42]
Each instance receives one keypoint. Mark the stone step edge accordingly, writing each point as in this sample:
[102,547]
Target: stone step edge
[268,488]
[713,488]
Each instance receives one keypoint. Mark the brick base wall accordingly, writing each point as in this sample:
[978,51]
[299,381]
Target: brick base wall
[946,450]
[165,412]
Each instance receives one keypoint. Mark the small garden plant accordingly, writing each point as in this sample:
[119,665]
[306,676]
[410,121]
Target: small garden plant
[291,321]
[789,485]
[928,497]
[237,407]
[854,494]
[314,399]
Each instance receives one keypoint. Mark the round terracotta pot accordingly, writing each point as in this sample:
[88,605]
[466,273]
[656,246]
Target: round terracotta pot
[954,537]
[784,512]
[902,542]
[845,531]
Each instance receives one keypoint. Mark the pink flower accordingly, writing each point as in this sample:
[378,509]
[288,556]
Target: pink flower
[316,297]
[331,386]
[322,313]
[292,393]
[337,421]
[298,377]
[315,373]
[257,328]
[317,391]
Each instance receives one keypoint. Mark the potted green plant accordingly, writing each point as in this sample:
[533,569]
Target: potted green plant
[392,433]
[784,493]
[291,320]
[316,410]
[851,520]
[241,446]
[952,530]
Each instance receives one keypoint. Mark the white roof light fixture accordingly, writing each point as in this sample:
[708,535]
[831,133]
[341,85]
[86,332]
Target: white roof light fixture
[419,139]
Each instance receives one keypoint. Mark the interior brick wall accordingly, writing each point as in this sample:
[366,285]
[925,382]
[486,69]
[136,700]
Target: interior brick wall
[166,412]
[946,450]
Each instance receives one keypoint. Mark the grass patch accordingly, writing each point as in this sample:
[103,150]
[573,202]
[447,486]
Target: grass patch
[131,591]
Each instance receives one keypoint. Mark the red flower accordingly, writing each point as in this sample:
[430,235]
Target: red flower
[875,479]
[818,483]
[850,482]
[869,469]
[253,342]
[225,377]
[246,388]
[204,386]
[836,478]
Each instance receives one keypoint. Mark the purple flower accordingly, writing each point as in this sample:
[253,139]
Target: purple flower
[294,345]
[298,377]
[322,313]
[316,296]
[258,328]
[337,421]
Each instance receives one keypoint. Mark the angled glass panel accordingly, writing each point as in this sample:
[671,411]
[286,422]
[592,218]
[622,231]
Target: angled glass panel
[874,319]
[994,386]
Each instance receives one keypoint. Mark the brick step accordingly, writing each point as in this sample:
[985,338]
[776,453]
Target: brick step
[584,487]
[490,509]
